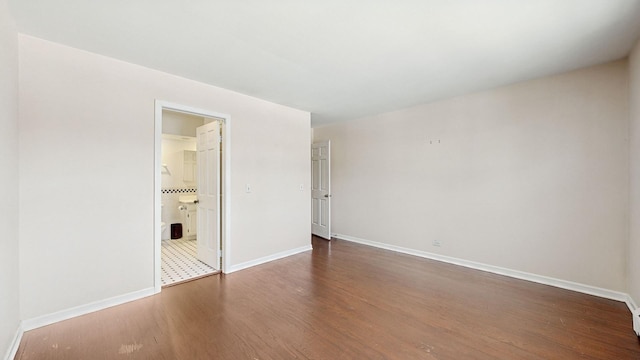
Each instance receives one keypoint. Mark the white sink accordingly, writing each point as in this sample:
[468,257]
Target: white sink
[188,199]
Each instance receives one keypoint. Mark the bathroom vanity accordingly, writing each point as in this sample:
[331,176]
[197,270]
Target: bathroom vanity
[189,208]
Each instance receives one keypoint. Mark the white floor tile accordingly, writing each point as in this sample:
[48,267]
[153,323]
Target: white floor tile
[179,261]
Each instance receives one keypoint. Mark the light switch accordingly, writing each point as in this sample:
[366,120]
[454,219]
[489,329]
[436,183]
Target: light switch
[248,188]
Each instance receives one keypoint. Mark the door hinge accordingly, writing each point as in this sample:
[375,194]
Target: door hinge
[220,139]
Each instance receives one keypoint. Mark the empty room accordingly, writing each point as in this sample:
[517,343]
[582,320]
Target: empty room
[320,179]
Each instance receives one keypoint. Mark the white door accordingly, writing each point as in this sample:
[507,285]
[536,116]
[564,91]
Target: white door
[208,157]
[321,189]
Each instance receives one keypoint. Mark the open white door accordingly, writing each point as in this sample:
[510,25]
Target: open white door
[321,189]
[208,148]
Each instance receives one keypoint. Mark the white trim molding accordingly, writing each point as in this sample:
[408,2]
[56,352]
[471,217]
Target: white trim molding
[15,343]
[49,319]
[267,259]
[160,105]
[545,280]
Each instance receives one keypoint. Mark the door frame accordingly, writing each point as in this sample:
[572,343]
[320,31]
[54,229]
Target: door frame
[225,223]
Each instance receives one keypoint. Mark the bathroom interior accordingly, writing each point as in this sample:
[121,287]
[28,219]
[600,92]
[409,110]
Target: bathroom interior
[179,211]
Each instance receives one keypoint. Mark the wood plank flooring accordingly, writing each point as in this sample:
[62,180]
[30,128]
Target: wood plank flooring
[347,301]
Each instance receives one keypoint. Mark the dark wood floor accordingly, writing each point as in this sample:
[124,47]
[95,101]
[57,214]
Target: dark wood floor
[348,301]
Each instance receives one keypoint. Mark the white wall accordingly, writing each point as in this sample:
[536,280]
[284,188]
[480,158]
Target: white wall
[180,124]
[9,286]
[87,172]
[531,177]
[634,108]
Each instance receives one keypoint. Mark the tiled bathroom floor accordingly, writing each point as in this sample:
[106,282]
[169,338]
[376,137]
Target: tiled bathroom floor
[179,262]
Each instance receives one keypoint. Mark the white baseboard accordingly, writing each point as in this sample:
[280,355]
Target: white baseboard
[48,319]
[13,349]
[267,259]
[631,304]
[564,284]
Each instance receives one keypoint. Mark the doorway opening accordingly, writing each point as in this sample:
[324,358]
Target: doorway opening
[191,193]
[321,189]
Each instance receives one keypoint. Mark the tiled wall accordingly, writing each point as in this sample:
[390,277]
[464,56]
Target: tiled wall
[185,190]
[170,212]
[173,184]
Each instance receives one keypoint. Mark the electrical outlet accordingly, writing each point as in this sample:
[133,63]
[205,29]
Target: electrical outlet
[437,243]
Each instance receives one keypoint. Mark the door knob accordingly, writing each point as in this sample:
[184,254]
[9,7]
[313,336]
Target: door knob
[196,201]
[327,195]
